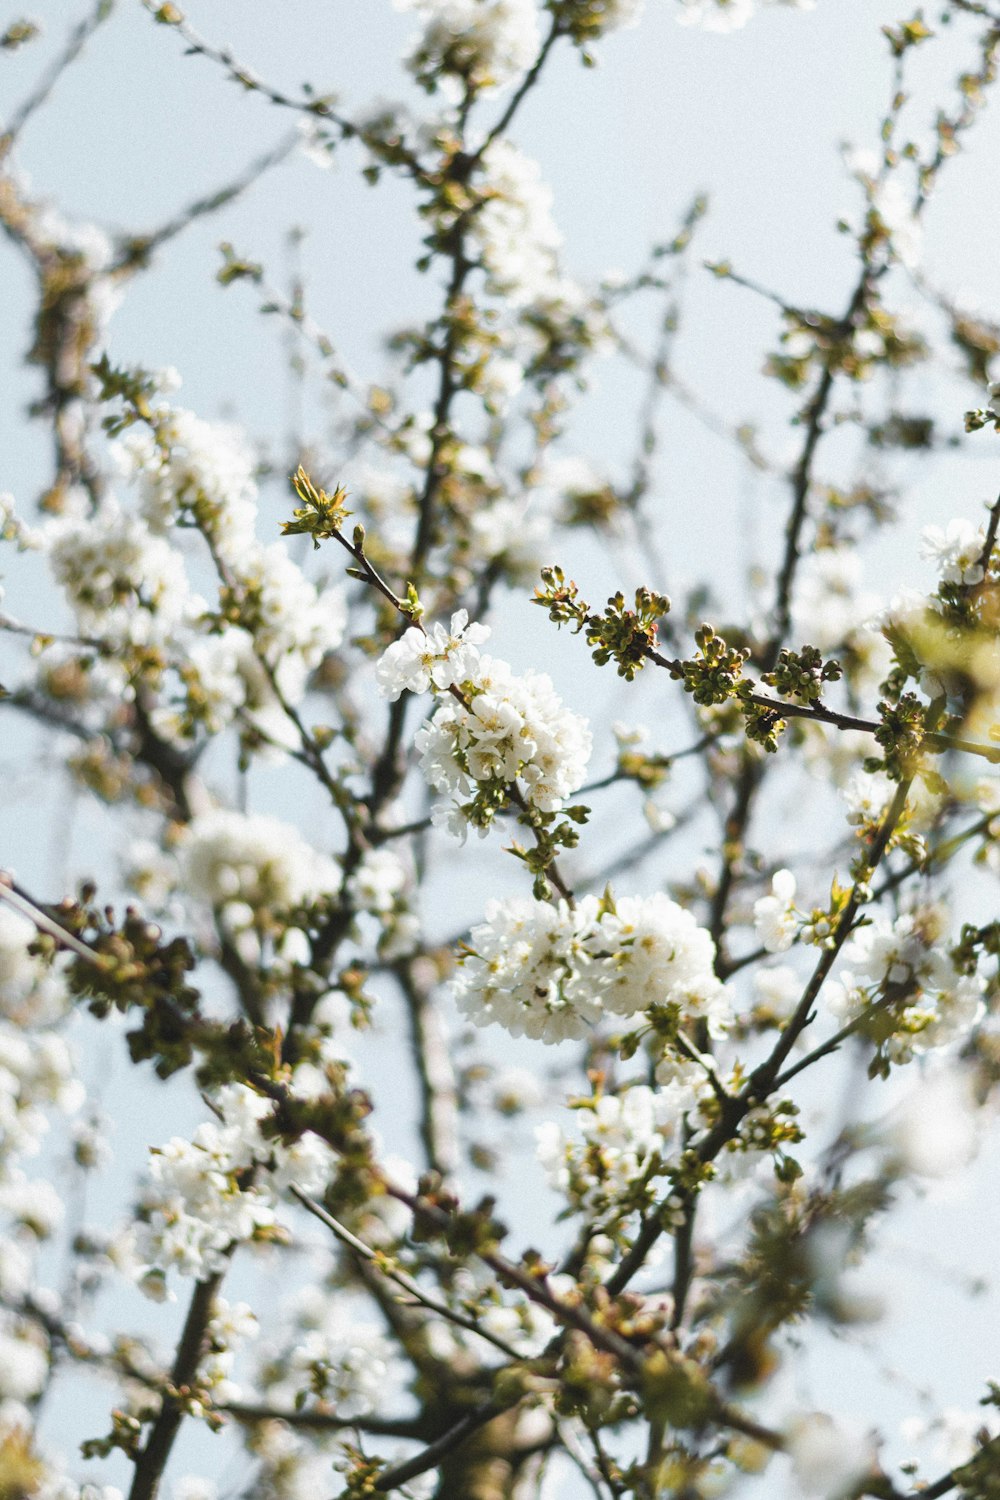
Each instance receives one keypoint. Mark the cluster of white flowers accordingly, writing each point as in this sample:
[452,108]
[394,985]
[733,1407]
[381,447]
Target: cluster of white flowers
[96,292]
[125,578]
[828,1456]
[289,613]
[518,245]
[777,990]
[906,964]
[956,551]
[124,584]
[230,1325]
[505,728]
[192,470]
[248,864]
[868,795]
[608,15]
[31,1204]
[485,43]
[36,1074]
[431,656]
[728,15]
[378,881]
[622,1141]
[294,626]
[517,237]
[514,727]
[505,534]
[774,916]
[328,1353]
[379,887]
[551,971]
[526,969]
[203,1199]
[32,992]
[521,1323]
[24,1359]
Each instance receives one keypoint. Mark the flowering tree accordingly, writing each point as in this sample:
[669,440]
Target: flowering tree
[294,732]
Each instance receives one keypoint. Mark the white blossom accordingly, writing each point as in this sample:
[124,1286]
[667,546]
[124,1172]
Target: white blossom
[193,1487]
[36,1074]
[432,655]
[512,728]
[35,1204]
[379,879]
[525,969]
[289,613]
[828,1456]
[778,990]
[906,964]
[125,584]
[328,1351]
[613,15]
[774,915]
[618,1142]
[551,971]
[650,951]
[487,42]
[30,991]
[193,470]
[516,234]
[956,550]
[24,1363]
[200,1202]
[504,532]
[253,861]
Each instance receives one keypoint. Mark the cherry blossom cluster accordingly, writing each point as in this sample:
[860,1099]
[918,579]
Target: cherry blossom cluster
[37,1071]
[380,886]
[622,1144]
[250,865]
[775,917]
[24,1359]
[327,1353]
[478,44]
[127,577]
[518,244]
[498,727]
[219,1189]
[901,982]
[956,550]
[38,1080]
[517,237]
[123,583]
[187,470]
[587,20]
[552,971]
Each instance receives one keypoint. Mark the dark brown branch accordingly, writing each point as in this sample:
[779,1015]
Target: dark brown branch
[152,1460]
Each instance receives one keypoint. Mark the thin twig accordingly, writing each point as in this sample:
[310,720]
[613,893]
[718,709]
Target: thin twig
[77,40]
[393,1273]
